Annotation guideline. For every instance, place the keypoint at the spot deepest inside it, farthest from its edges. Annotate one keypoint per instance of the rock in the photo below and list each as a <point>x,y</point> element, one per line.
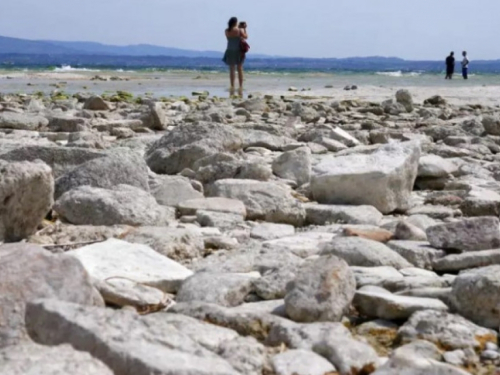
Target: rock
<point>294,165</point>
<point>304,336</point>
<point>158,117</point>
<point>349,356</point>
<point>481,202</point>
<point>263,200</point>
<point>122,133</point>
<point>270,231</point>
<point>435,166</point>
<point>473,127</point>
<point>273,282</point>
<point>322,291</point>
<point>247,321</point>
<point>342,136</point>
<point>264,139</point>
<point>378,303</point>
<point>474,234</point>
<point>254,171</point>
<point>220,166</point>
<point>421,221</point>
<point>122,204</point>
<point>405,361</point>
<point>176,243</point>
<point>364,253</point>
<point>210,336</point>
<point>448,331</point>
<point>153,344</point>
<point>139,263</point>
<point>375,275</point>
<point>126,293</point>
<point>321,214</point>
<point>435,100</point>
<point>418,253</point>
<point>475,295</point>
<point>106,173</point>
<point>30,272</point>
<point>38,359</point>
<point>221,220</point>
<point>378,234</point>
<point>220,243</point>
<point>222,289</point>
<point>60,159</point>
<point>245,354</point>
<point>455,358</point>
<point>68,124</point>
<point>303,244</point>
<point>253,105</point>
<point>490,355</point>
<point>301,362</point>
<point>26,197</point>
<point>186,144</point>
<point>96,103</point>
<point>409,232</point>
<point>86,139</point>
<point>404,97</point>
<point>459,262</point>
<point>307,114</point>
<point>172,190</point>
<point>491,125</point>
<point>350,179</point>
<point>215,204</point>
<point>21,121</point>
<point>433,211</point>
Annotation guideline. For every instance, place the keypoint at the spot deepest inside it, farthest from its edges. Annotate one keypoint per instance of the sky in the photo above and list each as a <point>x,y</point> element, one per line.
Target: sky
<point>411,29</point>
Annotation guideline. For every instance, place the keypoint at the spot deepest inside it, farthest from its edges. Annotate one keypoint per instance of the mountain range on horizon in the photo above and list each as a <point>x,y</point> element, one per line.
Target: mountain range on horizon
<point>10,45</point>
<point>24,53</point>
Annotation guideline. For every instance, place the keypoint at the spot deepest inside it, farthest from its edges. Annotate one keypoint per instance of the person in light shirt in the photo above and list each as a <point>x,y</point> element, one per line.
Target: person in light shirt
<point>465,65</point>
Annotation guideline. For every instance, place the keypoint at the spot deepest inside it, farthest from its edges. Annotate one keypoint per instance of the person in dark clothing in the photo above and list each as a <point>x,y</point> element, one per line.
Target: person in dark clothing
<point>450,66</point>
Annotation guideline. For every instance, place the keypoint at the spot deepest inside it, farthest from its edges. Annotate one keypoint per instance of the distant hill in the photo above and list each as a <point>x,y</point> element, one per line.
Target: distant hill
<point>130,50</point>
<point>52,47</point>
<point>24,46</point>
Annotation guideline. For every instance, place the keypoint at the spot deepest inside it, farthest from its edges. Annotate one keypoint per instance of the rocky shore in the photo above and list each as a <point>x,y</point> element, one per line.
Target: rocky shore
<point>260,236</point>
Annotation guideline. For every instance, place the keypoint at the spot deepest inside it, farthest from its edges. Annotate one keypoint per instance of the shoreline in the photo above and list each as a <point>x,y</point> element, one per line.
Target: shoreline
<point>182,84</point>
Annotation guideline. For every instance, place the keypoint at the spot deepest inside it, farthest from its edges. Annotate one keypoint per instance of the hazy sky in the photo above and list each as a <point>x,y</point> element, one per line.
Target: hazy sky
<point>412,29</point>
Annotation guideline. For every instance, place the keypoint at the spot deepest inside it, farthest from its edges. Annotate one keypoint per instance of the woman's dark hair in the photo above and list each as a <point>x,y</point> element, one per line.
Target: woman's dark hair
<point>233,21</point>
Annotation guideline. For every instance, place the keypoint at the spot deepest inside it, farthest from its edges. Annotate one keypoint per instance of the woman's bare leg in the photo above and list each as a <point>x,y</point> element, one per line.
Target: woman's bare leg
<point>240,78</point>
<point>232,77</point>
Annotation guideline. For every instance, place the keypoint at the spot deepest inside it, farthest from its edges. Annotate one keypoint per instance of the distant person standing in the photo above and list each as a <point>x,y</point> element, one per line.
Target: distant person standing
<point>450,66</point>
<point>234,58</point>
<point>465,65</point>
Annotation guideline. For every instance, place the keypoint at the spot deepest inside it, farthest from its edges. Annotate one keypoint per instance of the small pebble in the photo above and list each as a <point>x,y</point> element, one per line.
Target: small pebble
<point>490,354</point>
<point>491,346</point>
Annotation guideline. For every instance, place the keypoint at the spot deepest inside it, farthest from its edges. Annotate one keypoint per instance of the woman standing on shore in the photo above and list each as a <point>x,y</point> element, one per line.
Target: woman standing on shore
<point>234,57</point>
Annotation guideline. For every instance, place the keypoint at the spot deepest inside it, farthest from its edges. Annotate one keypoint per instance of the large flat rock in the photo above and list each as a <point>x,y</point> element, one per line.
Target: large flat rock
<point>263,200</point>
<point>383,179</point>
<point>378,303</point>
<point>119,259</point>
<point>121,204</point>
<point>473,234</point>
<point>126,342</point>
<point>362,252</point>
